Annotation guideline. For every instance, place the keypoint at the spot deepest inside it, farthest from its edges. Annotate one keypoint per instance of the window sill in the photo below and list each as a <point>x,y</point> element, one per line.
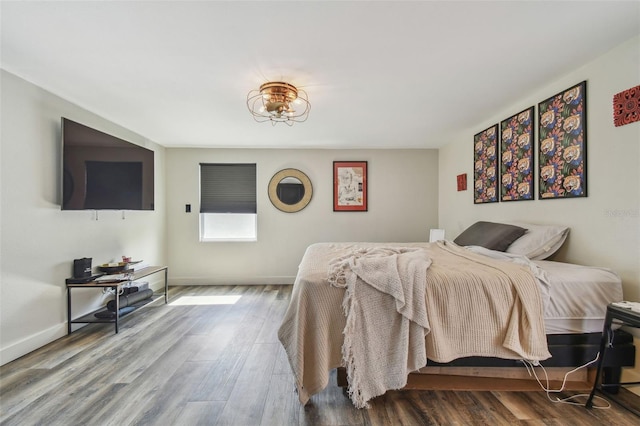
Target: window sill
<point>228,240</point>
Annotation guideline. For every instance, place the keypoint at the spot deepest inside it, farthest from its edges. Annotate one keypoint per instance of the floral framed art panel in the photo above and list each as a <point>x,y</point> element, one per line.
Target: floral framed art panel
<point>516,156</point>
<point>350,186</point>
<point>562,151</point>
<point>485,166</point>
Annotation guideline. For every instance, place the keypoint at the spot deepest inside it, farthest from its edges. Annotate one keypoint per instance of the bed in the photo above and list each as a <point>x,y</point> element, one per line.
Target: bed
<point>565,310</point>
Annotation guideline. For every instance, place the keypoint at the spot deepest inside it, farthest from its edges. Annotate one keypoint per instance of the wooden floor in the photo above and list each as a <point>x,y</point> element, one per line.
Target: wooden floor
<point>221,364</point>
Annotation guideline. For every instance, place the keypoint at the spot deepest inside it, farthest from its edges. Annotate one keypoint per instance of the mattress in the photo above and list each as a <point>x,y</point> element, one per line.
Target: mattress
<point>578,296</point>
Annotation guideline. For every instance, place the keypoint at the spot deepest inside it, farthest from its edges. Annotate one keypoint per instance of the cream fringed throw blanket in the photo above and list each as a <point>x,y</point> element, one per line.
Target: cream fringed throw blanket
<point>386,317</point>
<point>475,306</point>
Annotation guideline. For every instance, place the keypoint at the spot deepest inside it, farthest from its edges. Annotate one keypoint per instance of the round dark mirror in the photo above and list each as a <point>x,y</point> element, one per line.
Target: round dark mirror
<point>290,190</point>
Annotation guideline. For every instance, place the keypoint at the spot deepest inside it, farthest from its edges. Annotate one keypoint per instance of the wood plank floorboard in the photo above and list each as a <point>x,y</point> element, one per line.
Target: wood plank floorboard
<point>222,364</point>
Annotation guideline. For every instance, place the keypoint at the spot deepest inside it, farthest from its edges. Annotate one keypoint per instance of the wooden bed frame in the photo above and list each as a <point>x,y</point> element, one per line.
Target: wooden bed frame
<point>568,352</point>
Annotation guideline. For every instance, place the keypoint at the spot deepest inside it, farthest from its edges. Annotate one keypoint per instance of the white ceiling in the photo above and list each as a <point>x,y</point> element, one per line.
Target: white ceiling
<point>384,74</point>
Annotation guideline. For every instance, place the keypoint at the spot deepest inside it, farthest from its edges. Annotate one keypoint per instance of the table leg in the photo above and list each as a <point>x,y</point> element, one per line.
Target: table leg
<point>116,290</point>
<point>68,310</point>
<point>166,285</point>
<point>604,341</point>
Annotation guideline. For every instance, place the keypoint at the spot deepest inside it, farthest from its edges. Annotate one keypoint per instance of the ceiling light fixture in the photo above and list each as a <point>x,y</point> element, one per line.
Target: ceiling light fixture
<point>278,102</point>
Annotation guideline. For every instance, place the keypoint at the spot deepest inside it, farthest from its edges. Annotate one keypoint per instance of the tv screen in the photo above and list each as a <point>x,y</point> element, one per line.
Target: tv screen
<point>103,172</point>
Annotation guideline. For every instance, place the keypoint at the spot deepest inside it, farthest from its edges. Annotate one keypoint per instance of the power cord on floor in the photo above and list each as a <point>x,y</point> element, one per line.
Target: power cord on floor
<point>569,400</point>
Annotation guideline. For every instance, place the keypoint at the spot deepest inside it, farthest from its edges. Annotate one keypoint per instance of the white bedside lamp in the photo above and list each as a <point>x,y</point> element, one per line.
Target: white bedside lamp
<point>436,235</point>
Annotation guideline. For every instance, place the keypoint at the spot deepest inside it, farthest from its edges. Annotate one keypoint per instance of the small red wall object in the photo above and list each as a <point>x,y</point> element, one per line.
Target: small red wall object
<point>462,182</point>
<point>626,106</point>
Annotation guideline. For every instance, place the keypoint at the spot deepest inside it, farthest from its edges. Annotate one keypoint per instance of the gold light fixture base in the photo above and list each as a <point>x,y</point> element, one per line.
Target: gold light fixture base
<point>278,102</point>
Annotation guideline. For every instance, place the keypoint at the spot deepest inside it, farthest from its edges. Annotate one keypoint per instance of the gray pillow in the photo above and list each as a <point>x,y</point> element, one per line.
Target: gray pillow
<point>494,236</point>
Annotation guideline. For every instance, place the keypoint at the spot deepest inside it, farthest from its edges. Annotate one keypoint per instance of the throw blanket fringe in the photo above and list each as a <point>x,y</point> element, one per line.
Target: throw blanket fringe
<point>386,321</point>
<point>347,347</point>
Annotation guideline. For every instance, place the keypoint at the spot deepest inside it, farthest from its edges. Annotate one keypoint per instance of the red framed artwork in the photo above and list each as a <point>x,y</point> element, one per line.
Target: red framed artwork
<point>350,186</point>
<point>462,182</point>
<point>626,107</point>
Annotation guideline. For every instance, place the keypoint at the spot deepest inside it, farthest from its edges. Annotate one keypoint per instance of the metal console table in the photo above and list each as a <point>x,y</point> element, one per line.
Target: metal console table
<point>116,286</point>
<point>618,315</point>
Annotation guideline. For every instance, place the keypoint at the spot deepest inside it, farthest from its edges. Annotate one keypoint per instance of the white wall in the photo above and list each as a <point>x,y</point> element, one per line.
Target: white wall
<point>403,194</point>
<point>605,226</point>
<point>39,241</point>
<point>408,192</point>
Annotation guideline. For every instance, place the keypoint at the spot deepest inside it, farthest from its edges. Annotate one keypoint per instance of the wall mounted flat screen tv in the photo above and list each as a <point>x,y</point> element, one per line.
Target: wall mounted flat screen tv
<point>103,172</point>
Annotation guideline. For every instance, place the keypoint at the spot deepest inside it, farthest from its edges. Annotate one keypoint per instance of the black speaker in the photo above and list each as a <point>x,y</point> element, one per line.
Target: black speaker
<point>82,267</point>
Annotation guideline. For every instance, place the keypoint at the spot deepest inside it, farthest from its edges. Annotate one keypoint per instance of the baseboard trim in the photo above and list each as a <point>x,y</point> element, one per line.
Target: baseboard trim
<point>32,343</point>
<point>229,280</point>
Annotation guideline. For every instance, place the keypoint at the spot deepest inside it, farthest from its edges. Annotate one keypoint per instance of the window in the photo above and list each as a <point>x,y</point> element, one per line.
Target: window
<point>228,202</point>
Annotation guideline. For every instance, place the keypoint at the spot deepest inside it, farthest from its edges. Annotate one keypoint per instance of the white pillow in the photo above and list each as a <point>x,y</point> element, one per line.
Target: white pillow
<point>540,241</point>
